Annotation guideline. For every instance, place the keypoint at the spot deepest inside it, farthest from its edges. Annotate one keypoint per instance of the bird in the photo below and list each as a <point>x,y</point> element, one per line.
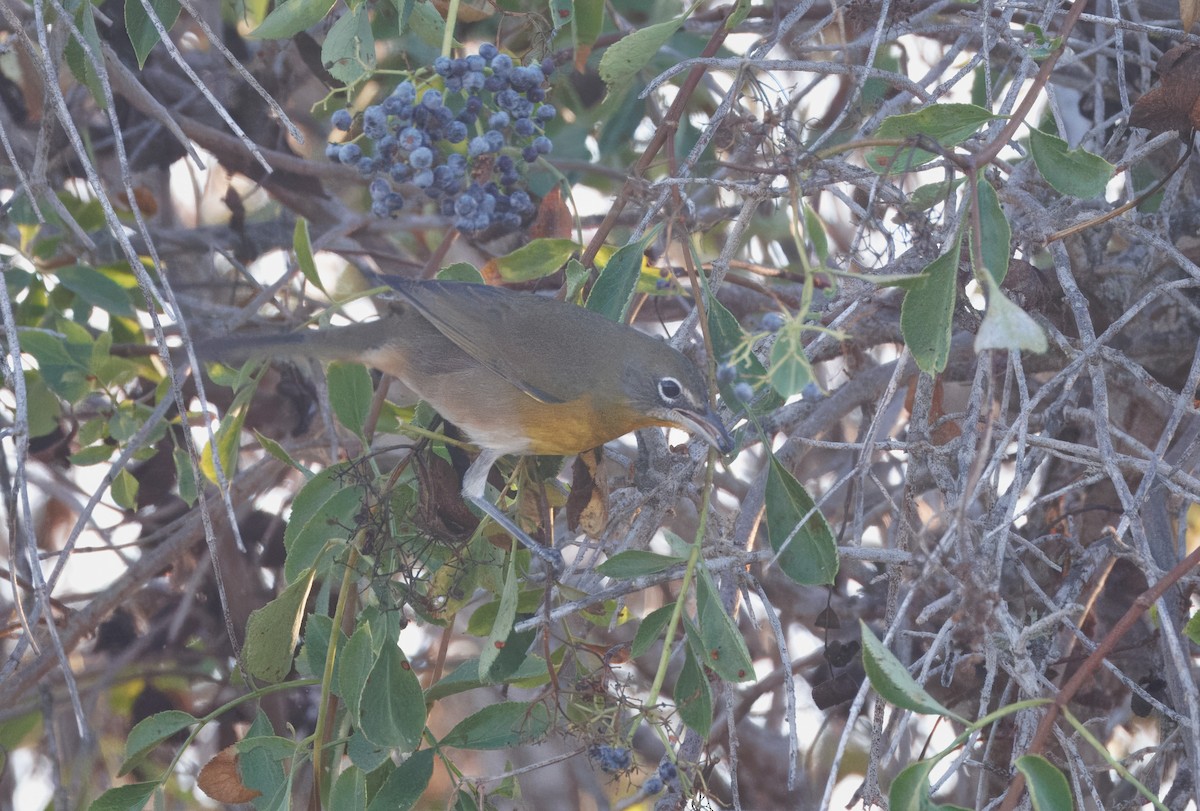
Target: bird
<point>518,373</point>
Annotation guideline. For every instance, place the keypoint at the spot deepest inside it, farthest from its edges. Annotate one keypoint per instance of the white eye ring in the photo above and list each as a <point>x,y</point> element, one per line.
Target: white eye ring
<point>669,389</point>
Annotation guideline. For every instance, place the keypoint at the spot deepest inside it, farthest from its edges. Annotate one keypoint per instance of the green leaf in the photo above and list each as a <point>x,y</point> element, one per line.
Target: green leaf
<point>142,32</point>
<point>996,241</point>
<point>132,797</point>
<point>910,790</point>
<point>354,667</point>
<point>405,785</point>
<point>790,369</point>
<point>693,695</point>
<point>1047,786</point>
<point>500,726</point>
<point>364,754</point>
<point>302,247</point>
<point>1074,172</point>
<point>814,228</point>
<point>536,260</point>
<point>273,631</point>
<point>946,124</point>
<point>393,708</point>
<point>62,365</point>
<point>77,59</point>
<point>1007,326</point>
<point>291,17</point>
<point>423,20</point>
<point>350,394</point>
<point>124,490</point>
<point>587,22</point>
<point>460,272</point>
<point>725,648</point>
<point>44,408</point>
<point>185,475</point>
<point>807,552</point>
<point>927,312</point>
<point>1192,629</point>
<point>630,54</point>
<point>636,563</point>
<point>466,677</point>
<point>728,337</point>
<point>648,631</point>
<point>613,291</point>
<point>94,287</point>
<point>228,437</point>
<point>349,792</point>
<point>150,732</point>
<point>276,450</point>
<point>506,615</point>
<point>891,680</point>
<point>929,195</point>
<point>349,48</point>
<point>324,510</point>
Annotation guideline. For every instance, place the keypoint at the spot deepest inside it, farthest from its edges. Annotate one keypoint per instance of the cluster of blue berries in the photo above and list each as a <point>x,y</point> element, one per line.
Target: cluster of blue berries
<point>464,146</point>
<point>667,775</point>
<point>612,759</point>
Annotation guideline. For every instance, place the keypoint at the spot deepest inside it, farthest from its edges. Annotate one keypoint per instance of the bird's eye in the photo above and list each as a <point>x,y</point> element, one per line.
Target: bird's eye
<point>669,388</point>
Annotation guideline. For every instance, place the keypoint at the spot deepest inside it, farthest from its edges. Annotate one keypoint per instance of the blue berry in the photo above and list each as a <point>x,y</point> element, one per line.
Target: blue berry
<point>395,106</point>
<point>478,146</point>
<point>653,785</point>
<point>476,63</point>
<point>465,205</point>
<point>474,82</point>
<point>529,154</point>
<point>442,66</point>
<point>509,221</point>
<point>411,138</point>
<point>473,106</point>
<point>342,119</point>
<point>488,51</point>
<point>495,140</point>
<point>726,373</point>
<point>494,83</point>
<point>431,99</point>
<point>421,158</point>
<point>454,84</point>
<point>522,108</point>
<point>547,112</point>
<point>542,144</point>
<point>367,166</point>
<point>395,201</point>
<point>744,392</point>
<point>423,179</point>
<point>400,171</point>
<point>406,92</point>
<point>332,150</point>
<point>520,201</point>
<point>387,147</point>
<point>505,164</point>
<point>668,771</point>
<point>536,94</point>
<point>379,208</point>
<point>502,63</point>
<point>612,758</point>
<point>459,68</point>
<point>379,188</point>
<point>498,120</point>
<point>547,67</point>
<point>456,132</point>
<point>524,127</point>
<point>506,98</point>
<point>349,153</point>
<point>457,163</point>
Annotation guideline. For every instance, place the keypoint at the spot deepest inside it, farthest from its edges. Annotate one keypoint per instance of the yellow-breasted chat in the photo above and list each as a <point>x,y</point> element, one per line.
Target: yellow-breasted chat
<point>519,373</point>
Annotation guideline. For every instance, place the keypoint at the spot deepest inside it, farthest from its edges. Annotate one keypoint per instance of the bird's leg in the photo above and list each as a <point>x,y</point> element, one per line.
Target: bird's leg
<point>474,491</point>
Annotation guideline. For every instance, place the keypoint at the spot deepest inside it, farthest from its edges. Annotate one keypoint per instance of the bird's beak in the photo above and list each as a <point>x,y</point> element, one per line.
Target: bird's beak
<point>706,424</point>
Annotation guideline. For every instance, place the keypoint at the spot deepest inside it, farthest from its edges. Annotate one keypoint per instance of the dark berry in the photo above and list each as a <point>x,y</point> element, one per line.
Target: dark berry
<point>456,132</point>
<point>400,172</point>
<point>667,771</point>
<point>406,92</point>
<point>726,373</point>
<point>478,146</point>
<point>421,157</point>
<point>495,140</point>
<point>454,84</point>
<point>744,392</point>
<point>498,120</point>
<point>524,127</point>
<point>547,112</point>
<point>474,82</point>
<point>772,322</point>
<point>411,138</point>
<point>494,84</point>
<point>502,63</point>
<point>476,63</point>
<point>442,66</point>
<point>342,119</point>
<point>653,785</point>
<point>349,153</point>
<point>542,144</point>
<point>379,188</point>
<point>547,67</point>
<point>431,99</point>
<point>423,179</point>
<point>332,150</point>
<point>367,166</point>
<point>488,51</point>
<point>529,154</point>
<point>535,94</point>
